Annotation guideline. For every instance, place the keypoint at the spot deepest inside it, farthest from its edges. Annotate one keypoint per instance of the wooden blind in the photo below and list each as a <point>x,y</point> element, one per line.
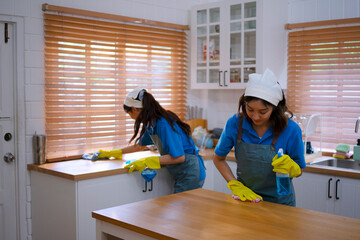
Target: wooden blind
<point>91,65</point>
<point>324,77</point>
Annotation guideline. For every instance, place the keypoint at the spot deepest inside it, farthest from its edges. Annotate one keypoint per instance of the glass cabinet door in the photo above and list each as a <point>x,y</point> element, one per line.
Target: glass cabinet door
<point>208,45</point>
<point>242,19</point>
<point>249,39</point>
<point>236,40</point>
<point>223,44</point>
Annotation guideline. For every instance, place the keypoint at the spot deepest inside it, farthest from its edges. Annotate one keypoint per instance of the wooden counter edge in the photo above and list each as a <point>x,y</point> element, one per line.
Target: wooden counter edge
<point>38,168</point>
<point>330,171</point>
<point>130,227</point>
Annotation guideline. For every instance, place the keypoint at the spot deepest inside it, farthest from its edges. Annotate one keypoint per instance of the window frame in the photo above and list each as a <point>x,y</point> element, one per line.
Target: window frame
<point>90,66</point>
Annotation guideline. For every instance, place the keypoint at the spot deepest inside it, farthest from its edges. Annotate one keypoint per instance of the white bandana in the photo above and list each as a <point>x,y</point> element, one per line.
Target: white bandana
<point>264,86</point>
<point>131,100</point>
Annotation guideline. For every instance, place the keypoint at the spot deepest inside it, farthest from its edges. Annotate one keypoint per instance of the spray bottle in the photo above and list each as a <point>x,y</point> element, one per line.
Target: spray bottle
<point>282,180</point>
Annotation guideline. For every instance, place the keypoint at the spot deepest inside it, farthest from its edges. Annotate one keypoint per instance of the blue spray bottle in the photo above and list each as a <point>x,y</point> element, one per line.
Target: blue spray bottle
<point>282,180</point>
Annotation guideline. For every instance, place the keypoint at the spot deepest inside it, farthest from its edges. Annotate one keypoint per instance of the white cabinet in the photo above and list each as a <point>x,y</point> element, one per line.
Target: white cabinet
<point>61,208</point>
<point>214,180</point>
<point>230,39</point>
<point>327,193</point>
<point>210,170</point>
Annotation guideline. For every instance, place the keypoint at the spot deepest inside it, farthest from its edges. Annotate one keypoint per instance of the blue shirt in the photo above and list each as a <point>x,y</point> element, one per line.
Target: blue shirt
<point>176,143</point>
<point>290,140</point>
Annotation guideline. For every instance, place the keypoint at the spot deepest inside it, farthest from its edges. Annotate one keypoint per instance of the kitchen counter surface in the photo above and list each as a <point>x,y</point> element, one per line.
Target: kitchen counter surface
<point>206,214</point>
<point>85,169</point>
<point>82,169</point>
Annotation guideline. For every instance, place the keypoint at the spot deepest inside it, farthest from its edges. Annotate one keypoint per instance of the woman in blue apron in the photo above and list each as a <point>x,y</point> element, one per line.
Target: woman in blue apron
<point>257,131</point>
<point>171,137</point>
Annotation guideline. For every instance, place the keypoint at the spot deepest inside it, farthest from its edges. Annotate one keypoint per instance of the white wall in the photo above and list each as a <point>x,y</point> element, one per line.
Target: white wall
<point>319,10</point>
<point>219,104</point>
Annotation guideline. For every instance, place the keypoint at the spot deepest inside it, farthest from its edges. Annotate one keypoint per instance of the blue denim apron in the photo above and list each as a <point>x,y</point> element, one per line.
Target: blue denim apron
<point>187,175</point>
<point>255,171</point>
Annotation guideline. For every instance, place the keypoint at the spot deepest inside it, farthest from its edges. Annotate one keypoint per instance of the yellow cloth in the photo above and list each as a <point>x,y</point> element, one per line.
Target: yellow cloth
<point>243,192</point>
<point>150,162</point>
<point>285,164</point>
<point>117,153</point>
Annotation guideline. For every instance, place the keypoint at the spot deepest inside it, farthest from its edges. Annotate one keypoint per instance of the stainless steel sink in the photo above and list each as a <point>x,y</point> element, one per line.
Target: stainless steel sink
<point>337,163</point>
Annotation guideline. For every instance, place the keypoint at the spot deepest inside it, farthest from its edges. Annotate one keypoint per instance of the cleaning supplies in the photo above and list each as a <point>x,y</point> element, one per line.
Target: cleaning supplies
<point>94,156</point>
<point>342,151</point>
<point>356,155</point>
<point>342,155</point>
<point>342,147</point>
<point>282,180</point>
<point>148,174</point>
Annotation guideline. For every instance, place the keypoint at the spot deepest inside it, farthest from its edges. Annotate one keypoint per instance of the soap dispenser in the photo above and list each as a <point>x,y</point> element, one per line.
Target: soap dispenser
<point>356,155</point>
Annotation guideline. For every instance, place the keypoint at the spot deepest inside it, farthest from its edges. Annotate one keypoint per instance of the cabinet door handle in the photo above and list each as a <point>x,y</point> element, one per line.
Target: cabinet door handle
<point>336,189</point>
<point>220,78</point>
<point>225,78</point>
<point>329,196</point>
<point>151,188</point>
<point>145,189</point>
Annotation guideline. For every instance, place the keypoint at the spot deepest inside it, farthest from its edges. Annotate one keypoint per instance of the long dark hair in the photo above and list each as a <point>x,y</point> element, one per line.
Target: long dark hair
<point>278,117</point>
<point>151,111</point>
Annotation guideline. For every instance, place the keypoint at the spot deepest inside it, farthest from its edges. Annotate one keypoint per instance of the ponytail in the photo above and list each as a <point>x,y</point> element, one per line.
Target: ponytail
<point>152,111</point>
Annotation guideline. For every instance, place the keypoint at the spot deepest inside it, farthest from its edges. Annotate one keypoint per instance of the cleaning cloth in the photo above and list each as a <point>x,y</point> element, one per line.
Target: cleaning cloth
<point>342,147</point>
<point>93,156</point>
<point>345,155</point>
<point>148,174</point>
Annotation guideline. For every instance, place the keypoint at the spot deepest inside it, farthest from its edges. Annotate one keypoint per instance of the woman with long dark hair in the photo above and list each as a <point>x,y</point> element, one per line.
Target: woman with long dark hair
<point>257,131</point>
<point>172,137</point>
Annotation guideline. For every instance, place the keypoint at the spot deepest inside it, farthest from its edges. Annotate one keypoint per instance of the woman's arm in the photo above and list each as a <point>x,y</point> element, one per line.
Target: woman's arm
<point>223,168</point>
<point>164,160</point>
<point>133,148</point>
<point>168,159</point>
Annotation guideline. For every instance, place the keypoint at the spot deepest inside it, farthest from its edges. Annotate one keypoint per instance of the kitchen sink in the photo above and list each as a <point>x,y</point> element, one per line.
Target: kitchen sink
<point>337,163</point>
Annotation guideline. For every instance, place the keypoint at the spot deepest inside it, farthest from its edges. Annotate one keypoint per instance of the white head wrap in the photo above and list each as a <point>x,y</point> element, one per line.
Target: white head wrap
<point>264,86</point>
<point>131,100</point>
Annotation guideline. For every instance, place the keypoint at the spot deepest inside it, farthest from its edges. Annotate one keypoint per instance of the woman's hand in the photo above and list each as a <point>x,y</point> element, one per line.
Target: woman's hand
<point>117,153</point>
<point>140,164</point>
<point>242,192</point>
<point>285,164</point>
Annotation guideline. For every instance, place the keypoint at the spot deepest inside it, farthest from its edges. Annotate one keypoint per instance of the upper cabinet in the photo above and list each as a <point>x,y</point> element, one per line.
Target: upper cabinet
<point>227,42</point>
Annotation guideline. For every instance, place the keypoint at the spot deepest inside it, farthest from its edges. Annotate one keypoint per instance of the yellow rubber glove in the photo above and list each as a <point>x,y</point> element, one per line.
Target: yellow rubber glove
<point>150,162</point>
<point>243,192</point>
<point>285,164</point>
<point>117,153</point>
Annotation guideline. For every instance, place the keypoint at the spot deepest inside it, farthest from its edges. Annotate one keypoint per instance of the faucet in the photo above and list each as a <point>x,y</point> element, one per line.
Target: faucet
<point>357,125</point>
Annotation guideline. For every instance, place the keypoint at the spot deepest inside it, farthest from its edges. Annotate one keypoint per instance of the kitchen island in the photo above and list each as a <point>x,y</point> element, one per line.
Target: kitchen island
<point>206,214</point>
<point>63,194</point>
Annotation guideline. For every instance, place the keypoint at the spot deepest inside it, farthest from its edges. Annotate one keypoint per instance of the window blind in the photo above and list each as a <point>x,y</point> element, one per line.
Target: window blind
<point>90,66</point>
<point>324,77</point>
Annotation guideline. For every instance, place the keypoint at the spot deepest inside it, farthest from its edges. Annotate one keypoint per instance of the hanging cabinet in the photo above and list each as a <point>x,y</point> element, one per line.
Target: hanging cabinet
<point>234,38</point>
<point>223,42</point>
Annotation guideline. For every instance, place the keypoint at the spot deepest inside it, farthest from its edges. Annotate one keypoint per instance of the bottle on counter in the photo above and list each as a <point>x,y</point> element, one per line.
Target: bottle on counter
<point>282,180</point>
<point>356,155</point>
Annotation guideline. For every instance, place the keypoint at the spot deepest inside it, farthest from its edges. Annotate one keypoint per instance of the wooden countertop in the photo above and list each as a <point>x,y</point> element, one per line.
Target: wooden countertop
<point>205,214</point>
<point>81,169</point>
<point>341,172</point>
<point>85,169</point>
